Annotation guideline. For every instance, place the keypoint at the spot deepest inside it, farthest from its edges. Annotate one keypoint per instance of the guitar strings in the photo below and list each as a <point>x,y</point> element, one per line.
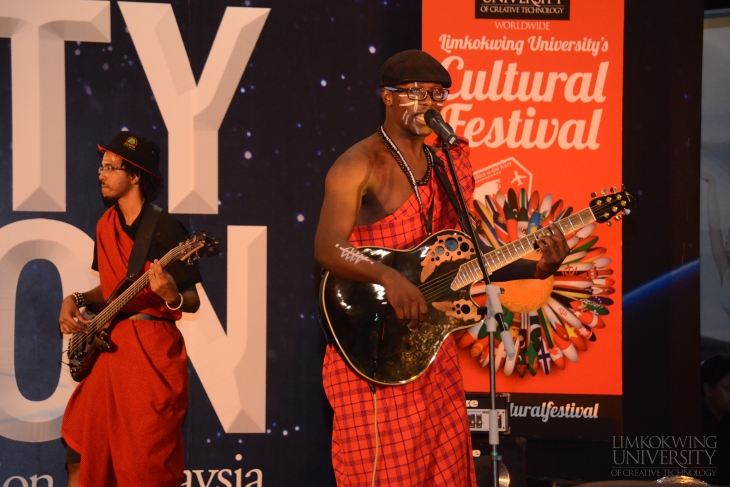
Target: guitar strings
<point>101,319</point>
<point>435,288</point>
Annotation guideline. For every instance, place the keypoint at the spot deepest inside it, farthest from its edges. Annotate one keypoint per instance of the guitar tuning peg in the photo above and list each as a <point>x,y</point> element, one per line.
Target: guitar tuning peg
<point>604,192</point>
<point>594,194</point>
<point>614,189</point>
<point>609,223</point>
<point>627,211</point>
<point>618,217</point>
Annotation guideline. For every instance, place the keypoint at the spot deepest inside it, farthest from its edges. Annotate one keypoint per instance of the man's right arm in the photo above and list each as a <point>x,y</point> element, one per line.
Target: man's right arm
<point>69,310</point>
<point>347,181</point>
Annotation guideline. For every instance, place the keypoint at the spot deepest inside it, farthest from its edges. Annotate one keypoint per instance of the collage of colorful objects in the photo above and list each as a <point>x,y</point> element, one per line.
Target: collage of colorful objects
<point>550,320</point>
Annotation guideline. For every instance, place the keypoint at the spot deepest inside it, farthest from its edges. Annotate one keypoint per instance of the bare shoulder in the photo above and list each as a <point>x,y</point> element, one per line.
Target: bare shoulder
<point>356,163</point>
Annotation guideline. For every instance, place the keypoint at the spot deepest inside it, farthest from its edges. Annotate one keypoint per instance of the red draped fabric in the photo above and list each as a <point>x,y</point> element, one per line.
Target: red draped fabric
<point>423,432</point>
<point>125,418</point>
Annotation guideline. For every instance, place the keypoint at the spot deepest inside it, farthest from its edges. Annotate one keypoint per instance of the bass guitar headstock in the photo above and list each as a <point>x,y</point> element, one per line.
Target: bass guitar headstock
<point>190,248</point>
<point>606,205</point>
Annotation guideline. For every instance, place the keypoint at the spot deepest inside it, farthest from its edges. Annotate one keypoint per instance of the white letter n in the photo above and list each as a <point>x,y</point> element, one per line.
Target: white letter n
<point>193,114</point>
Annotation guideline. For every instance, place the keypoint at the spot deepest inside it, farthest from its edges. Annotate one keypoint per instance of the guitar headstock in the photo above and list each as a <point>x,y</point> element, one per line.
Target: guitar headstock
<point>606,205</point>
<point>190,248</point>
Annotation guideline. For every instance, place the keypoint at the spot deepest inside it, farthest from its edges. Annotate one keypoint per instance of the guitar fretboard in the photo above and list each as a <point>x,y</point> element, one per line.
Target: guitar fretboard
<point>470,272</point>
<point>126,296</point>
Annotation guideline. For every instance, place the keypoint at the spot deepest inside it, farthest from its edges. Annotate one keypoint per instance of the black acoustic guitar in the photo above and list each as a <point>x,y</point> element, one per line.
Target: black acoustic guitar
<point>84,347</point>
<point>366,330</point>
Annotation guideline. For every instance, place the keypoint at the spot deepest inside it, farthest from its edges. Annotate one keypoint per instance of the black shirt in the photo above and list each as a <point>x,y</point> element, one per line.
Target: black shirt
<point>168,234</point>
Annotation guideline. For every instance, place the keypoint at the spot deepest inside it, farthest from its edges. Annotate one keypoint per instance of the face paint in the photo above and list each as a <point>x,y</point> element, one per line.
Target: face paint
<point>352,255</point>
<point>414,109</point>
<point>414,126</point>
<point>407,114</point>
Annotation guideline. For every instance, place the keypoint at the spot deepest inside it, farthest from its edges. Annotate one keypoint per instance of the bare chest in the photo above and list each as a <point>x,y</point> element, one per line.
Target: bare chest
<point>390,190</point>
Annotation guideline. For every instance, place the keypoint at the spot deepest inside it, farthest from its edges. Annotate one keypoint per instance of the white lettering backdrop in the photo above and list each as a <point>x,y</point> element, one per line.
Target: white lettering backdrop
<point>250,101</point>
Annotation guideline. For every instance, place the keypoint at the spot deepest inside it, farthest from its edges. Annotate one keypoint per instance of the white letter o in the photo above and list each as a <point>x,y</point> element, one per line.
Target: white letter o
<point>71,251</point>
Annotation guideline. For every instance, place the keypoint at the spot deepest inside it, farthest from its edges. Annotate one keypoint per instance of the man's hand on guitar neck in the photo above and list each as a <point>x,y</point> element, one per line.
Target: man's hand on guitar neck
<point>70,319</point>
<point>406,299</point>
<point>163,284</point>
<point>554,250</point>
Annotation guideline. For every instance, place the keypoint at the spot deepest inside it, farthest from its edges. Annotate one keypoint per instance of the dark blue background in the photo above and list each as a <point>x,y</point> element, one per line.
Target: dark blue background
<point>297,128</point>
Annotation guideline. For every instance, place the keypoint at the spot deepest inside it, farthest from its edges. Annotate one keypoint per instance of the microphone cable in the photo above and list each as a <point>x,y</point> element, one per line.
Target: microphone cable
<point>375,426</point>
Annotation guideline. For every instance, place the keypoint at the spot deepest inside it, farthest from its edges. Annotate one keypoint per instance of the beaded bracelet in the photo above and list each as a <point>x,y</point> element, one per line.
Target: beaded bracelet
<point>176,307</point>
<point>78,299</point>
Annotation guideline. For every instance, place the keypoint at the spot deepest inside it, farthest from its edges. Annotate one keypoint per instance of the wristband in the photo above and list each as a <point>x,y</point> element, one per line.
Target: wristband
<point>176,307</point>
<point>78,299</point>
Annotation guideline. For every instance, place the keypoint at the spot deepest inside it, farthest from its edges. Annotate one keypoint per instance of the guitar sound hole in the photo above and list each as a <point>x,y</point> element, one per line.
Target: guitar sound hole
<point>464,247</point>
<point>465,309</point>
<point>451,244</point>
<point>440,251</point>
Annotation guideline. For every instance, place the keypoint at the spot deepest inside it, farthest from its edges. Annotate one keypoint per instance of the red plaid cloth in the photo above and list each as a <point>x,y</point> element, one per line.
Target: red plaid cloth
<point>423,431</point>
<point>404,228</point>
<point>125,418</point>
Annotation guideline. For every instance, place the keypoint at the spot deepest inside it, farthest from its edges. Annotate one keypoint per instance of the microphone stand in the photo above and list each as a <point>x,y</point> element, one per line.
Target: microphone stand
<point>492,314</point>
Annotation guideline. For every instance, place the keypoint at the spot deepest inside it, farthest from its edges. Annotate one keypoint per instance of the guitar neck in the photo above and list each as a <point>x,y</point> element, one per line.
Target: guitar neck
<point>125,297</point>
<point>471,272</point>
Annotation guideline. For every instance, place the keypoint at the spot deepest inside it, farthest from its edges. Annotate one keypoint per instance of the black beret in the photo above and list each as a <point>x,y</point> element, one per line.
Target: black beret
<point>137,150</point>
<point>413,65</point>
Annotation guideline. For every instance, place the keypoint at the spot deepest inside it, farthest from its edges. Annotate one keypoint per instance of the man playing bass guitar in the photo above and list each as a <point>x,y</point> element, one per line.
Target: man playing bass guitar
<point>123,423</point>
<point>382,192</point>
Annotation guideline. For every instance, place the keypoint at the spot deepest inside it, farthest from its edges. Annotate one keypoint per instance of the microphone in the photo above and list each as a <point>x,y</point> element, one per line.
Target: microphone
<point>442,129</point>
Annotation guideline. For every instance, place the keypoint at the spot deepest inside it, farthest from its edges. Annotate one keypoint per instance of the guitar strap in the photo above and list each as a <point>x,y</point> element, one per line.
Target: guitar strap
<point>142,242</point>
<point>440,170</point>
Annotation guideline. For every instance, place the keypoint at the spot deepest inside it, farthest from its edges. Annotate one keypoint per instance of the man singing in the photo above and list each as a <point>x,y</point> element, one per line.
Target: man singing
<point>122,425</point>
<point>383,192</point>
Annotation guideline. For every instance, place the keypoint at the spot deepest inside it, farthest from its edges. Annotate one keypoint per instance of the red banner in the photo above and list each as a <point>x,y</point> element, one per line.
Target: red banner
<point>540,101</point>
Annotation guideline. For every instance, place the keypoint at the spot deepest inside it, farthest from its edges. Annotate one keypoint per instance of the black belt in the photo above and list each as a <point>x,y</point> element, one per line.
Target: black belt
<point>141,316</point>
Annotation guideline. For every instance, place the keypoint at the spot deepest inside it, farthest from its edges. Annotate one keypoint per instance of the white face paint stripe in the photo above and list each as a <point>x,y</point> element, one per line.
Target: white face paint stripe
<point>351,254</point>
<point>406,103</point>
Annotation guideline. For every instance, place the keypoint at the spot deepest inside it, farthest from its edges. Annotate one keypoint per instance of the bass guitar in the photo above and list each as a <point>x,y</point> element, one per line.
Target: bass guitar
<point>84,347</point>
<point>382,350</point>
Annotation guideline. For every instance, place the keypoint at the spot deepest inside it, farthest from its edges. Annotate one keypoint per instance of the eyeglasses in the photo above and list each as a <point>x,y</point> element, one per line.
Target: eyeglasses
<point>420,94</point>
<point>108,169</point>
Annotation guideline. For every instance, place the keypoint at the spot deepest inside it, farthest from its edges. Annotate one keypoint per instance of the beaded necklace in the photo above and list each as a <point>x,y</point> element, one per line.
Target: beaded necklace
<point>393,149</point>
<point>415,183</point>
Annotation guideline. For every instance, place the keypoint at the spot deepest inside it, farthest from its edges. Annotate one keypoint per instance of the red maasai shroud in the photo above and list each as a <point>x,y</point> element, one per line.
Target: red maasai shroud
<point>125,418</point>
<point>422,426</point>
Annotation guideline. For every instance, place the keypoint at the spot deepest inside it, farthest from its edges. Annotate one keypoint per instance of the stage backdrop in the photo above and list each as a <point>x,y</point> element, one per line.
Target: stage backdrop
<point>251,102</point>
<point>714,201</point>
<point>538,93</point>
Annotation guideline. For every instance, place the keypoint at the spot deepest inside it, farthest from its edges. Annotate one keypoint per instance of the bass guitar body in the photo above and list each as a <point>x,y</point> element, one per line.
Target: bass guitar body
<point>89,346</point>
<point>366,330</point>
<point>82,360</point>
